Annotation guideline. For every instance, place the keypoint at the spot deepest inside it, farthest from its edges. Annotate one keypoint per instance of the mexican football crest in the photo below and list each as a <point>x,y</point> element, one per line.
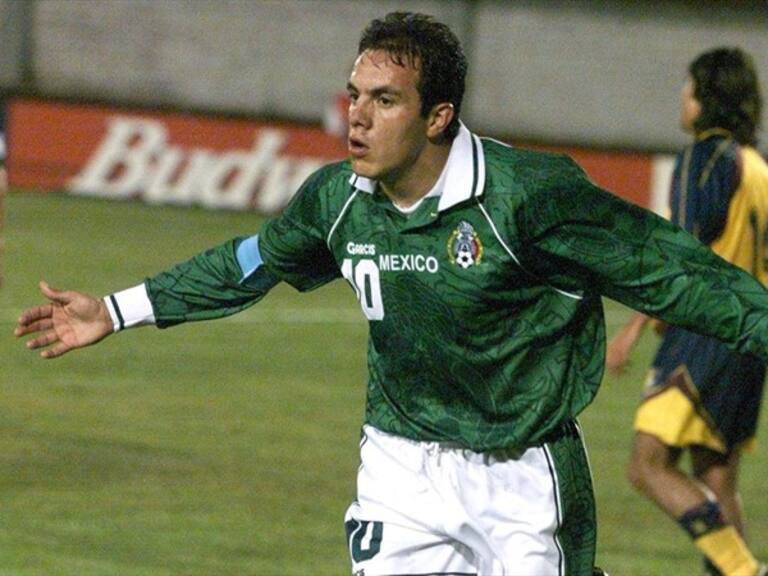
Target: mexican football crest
<point>464,246</point>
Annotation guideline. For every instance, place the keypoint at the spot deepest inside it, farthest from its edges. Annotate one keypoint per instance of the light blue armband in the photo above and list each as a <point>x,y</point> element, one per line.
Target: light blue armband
<point>249,256</point>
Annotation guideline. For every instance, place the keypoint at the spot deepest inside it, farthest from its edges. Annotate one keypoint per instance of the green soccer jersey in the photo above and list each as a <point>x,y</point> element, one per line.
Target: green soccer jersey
<point>484,303</point>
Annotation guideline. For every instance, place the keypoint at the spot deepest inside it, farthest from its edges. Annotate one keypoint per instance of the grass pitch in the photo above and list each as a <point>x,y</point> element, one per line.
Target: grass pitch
<point>227,447</point>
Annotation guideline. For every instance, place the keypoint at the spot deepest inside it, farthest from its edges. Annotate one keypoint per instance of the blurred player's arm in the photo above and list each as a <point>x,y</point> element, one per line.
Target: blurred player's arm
<point>623,342</point>
<point>620,346</point>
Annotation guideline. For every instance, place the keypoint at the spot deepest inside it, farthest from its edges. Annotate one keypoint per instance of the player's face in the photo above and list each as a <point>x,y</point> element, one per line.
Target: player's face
<point>387,133</point>
<point>690,107</point>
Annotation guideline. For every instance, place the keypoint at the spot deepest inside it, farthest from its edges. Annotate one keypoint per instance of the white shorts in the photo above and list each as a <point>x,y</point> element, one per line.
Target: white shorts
<point>427,508</point>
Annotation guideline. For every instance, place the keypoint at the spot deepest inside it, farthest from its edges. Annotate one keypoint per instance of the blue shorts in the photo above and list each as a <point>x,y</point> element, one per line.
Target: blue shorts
<point>725,387</point>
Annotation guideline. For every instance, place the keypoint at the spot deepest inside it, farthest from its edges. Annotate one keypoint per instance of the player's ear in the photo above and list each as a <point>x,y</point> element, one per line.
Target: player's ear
<point>439,118</point>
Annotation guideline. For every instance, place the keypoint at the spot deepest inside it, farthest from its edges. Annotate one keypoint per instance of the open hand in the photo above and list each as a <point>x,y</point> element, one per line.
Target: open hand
<point>69,321</point>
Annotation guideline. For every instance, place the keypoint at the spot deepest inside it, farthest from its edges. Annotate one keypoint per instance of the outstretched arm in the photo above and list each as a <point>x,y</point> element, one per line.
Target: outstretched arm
<point>218,282</point>
<point>579,237</point>
<point>69,321</point>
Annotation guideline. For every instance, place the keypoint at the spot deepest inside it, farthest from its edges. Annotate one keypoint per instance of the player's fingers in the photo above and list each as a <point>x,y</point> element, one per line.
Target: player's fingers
<point>32,315</point>
<point>60,296</point>
<point>55,351</point>
<point>43,340</point>
<point>36,326</point>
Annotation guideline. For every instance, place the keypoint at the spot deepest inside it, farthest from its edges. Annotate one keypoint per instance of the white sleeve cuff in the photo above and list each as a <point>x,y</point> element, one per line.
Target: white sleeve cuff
<point>130,307</point>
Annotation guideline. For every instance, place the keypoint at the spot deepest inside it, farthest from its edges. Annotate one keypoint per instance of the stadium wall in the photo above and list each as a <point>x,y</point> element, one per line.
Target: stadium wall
<point>12,39</point>
<point>215,162</point>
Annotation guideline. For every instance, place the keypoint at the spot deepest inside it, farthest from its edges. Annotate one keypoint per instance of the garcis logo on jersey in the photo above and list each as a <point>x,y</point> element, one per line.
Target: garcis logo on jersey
<point>464,246</point>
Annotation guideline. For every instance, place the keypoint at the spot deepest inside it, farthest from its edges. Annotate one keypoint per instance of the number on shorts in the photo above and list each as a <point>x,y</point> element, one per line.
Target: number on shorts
<point>364,538</point>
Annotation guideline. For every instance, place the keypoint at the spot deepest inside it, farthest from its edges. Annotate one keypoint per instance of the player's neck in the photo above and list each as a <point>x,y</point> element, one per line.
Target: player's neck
<point>411,185</point>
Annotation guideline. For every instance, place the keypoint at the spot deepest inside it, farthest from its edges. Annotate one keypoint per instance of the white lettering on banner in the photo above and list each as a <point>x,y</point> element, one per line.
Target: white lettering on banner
<point>135,160</point>
<point>408,263</point>
<point>118,168</point>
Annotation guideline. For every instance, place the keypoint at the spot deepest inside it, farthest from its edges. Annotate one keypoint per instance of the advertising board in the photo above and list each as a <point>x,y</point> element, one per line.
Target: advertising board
<point>187,159</point>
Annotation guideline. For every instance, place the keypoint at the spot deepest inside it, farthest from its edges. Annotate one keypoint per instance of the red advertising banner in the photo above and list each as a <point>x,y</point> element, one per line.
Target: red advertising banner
<point>175,158</point>
<point>162,158</point>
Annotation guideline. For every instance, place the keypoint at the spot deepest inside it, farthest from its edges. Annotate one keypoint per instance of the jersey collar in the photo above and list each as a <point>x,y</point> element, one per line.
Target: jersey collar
<point>714,132</point>
<point>463,176</point>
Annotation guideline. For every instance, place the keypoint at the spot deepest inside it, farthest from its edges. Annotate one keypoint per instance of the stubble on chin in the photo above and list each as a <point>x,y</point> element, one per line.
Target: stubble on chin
<point>363,169</point>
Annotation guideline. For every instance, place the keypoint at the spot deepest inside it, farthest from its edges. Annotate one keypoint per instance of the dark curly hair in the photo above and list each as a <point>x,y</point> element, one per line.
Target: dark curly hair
<point>726,86</point>
<point>420,41</point>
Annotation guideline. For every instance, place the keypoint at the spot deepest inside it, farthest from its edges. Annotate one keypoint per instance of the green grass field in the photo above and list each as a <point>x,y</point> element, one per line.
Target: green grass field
<point>229,447</point>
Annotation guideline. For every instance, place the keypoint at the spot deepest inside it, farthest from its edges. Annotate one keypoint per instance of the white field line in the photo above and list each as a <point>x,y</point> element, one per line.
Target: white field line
<point>278,316</point>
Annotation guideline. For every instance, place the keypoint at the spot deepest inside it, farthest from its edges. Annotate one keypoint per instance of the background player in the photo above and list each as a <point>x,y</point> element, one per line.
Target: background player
<point>702,396</point>
<point>480,269</point>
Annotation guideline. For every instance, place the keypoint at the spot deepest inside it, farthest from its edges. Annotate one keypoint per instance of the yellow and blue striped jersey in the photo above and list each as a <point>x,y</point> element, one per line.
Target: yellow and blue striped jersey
<point>720,195</point>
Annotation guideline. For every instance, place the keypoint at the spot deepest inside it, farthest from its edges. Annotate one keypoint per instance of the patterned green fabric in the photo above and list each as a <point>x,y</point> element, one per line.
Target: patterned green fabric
<point>577,532</point>
<point>486,320</point>
<point>208,286</point>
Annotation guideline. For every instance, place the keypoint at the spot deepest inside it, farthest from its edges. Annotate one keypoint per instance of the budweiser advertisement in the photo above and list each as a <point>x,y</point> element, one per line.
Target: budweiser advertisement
<point>163,158</point>
<point>174,158</point>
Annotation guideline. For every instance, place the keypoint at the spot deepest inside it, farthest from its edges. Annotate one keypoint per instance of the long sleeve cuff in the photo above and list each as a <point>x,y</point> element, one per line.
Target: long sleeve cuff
<point>130,307</point>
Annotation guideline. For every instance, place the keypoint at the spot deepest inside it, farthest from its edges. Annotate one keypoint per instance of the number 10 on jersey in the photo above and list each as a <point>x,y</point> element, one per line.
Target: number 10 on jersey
<point>364,277</point>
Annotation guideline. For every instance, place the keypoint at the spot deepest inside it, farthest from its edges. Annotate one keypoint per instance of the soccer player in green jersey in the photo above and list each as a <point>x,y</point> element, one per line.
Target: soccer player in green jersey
<point>703,397</point>
<point>480,268</point>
